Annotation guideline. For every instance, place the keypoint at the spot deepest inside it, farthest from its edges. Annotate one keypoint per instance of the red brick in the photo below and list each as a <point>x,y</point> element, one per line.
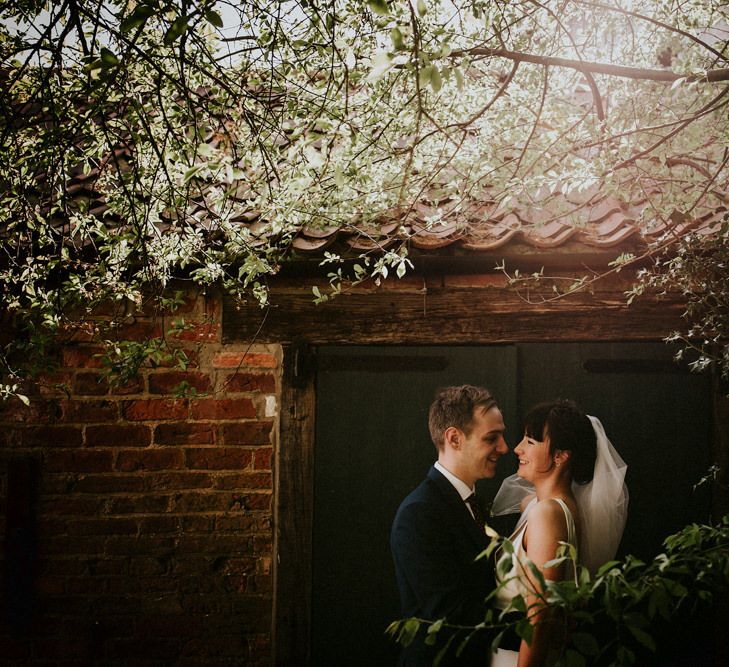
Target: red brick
<point>155,409</point>
<point>90,384</point>
<point>159,524</point>
<point>149,459</point>
<point>87,412</point>
<point>134,385</point>
<point>255,480</point>
<point>145,504</point>
<point>247,433</point>
<point>106,526</point>
<point>109,484</point>
<point>207,331</point>
<point>255,501</point>
<point>225,408</point>
<point>168,382</point>
<point>78,460</point>
<point>181,480</point>
<point>242,359</point>
<point>118,435</point>
<point>263,382</point>
<point>197,524</point>
<point>184,434</point>
<point>217,458</point>
<point>139,330</point>
<point>137,545</point>
<point>55,384</point>
<point>54,436</point>
<point>70,506</point>
<point>262,458</point>
<point>239,523</point>
<point>203,502</point>
<point>83,356</point>
<point>39,411</point>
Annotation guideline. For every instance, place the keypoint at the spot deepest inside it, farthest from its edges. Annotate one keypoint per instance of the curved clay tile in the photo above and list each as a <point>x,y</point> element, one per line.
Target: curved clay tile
<point>364,243</point>
<point>490,237</point>
<point>603,209</point>
<point>311,245</point>
<point>422,242</point>
<point>551,235</point>
<point>615,229</point>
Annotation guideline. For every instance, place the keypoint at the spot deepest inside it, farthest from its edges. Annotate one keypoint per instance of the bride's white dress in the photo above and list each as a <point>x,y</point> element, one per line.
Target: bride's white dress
<point>514,579</point>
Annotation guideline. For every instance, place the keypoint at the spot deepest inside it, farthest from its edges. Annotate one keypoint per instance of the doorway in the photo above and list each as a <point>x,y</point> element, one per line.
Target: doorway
<point>372,448</point>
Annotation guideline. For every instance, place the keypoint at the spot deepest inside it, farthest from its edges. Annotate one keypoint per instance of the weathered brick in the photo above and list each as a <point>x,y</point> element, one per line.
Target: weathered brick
<point>134,385</point>
<point>78,460</point>
<point>137,545</point>
<point>241,359</point>
<point>262,458</point>
<point>83,506</point>
<point>247,433</point>
<point>180,480</point>
<point>87,412</point>
<point>203,502</point>
<point>104,526</point>
<point>82,356</point>
<point>184,434</point>
<point>53,436</point>
<point>90,384</point>
<point>109,484</point>
<point>240,382</point>
<point>239,523</point>
<point>240,481</point>
<point>159,524</point>
<point>39,411</point>
<point>149,459</point>
<point>217,458</point>
<point>205,331</point>
<point>139,329</point>
<point>225,408</point>
<point>197,523</point>
<point>155,409</point>
<point>144,504</point>
<point>118,435</point>
<point>167,382</point>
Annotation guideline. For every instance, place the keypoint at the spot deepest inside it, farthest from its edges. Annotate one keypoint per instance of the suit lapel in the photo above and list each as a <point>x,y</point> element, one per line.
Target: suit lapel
<point>457,507</point>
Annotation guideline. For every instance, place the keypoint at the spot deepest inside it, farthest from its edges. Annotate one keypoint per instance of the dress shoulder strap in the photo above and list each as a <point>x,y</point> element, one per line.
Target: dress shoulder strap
<point>571,530</point>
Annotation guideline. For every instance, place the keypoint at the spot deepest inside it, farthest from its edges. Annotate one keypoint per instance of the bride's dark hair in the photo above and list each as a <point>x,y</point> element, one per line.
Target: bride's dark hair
<point>568,429</point>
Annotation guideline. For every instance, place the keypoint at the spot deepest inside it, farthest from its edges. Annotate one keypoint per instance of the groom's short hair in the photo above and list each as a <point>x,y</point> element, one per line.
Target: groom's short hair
<point>456,406</point>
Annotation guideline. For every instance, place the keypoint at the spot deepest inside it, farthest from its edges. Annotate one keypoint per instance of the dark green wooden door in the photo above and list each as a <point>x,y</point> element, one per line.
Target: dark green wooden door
<point>372,447</point>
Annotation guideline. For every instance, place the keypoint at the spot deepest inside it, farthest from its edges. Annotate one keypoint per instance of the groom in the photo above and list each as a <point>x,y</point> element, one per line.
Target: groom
<point>436,534</point>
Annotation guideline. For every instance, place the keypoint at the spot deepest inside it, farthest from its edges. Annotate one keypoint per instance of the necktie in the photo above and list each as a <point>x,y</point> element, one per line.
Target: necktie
<point>476,508</point>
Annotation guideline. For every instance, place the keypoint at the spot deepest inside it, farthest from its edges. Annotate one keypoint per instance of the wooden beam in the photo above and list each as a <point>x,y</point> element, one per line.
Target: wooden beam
<point>450,315</point>
<point>294,511</point>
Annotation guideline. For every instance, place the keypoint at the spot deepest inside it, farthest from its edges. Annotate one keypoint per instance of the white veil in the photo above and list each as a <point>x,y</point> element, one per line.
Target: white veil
<point>603,503</point>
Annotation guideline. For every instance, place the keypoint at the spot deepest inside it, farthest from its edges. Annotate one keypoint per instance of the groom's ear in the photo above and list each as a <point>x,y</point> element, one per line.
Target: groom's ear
<point>452,437</point>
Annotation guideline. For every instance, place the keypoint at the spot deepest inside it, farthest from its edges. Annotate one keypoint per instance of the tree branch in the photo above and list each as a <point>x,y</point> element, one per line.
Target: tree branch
<point>585,66</point>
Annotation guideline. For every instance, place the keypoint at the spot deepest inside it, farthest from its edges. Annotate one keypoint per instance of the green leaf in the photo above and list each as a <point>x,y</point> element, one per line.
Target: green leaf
<point>643,637</point>
<point>585,643</point>
<point>137,18</point>
<point>108,58</point>
<point>397,39</point>
<point>178,28</point>
<point>213,18</point>
<point>23,399</point>
<point>379,7</point>
<point>436,82</point>
<point>409,631</point>
<point>422,7</point>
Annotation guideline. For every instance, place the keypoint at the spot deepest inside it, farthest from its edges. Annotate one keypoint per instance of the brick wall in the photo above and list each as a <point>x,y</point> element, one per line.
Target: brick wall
<point>136,522</point>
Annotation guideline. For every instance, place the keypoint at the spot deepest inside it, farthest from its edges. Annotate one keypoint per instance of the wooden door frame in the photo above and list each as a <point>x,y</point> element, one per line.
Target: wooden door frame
<point>453,317</point>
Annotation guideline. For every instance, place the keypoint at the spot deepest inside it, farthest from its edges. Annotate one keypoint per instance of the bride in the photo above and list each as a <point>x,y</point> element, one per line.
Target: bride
<point>570,489</point>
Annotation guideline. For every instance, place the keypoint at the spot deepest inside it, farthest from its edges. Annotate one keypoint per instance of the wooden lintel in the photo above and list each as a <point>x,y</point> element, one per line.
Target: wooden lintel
<point>449,315</point>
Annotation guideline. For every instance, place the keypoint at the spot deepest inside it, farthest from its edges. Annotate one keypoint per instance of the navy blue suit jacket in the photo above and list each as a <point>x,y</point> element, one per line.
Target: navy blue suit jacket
<point>434,543</point>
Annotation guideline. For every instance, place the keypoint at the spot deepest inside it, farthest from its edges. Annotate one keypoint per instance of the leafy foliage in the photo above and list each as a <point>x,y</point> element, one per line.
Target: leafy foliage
<point>137,135</point>
<point>631,612</point>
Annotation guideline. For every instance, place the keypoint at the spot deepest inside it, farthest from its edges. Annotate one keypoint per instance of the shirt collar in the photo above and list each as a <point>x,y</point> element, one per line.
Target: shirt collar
<point>458,484</point>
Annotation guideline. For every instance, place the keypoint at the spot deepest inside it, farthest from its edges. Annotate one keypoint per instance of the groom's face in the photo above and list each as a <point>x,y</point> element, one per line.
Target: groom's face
<point>484,445</point>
